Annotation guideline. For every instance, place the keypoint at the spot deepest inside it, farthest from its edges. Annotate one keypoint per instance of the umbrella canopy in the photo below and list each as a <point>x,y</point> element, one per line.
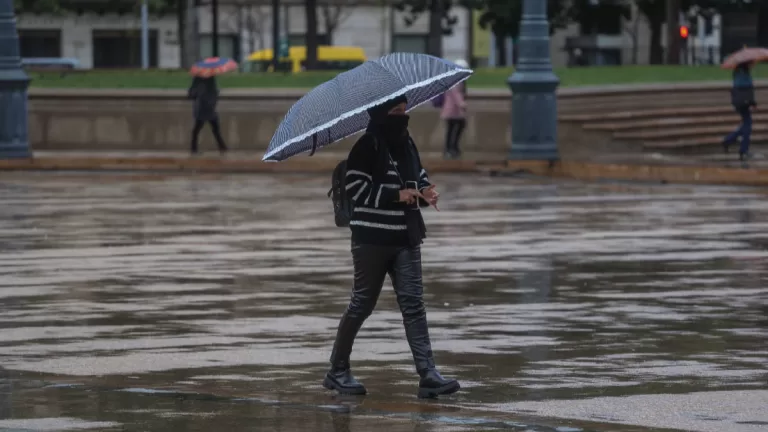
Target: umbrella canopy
<point>213,66</point>
<point>745,55</point>
<point>337,108</point>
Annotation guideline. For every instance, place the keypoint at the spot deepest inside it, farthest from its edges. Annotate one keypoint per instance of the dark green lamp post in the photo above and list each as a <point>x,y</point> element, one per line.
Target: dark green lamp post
<point>14,142</point>
<point>534,86</point>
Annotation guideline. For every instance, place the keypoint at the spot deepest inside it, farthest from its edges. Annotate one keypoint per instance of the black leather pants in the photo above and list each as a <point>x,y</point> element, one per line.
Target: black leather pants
<point>372,263</point>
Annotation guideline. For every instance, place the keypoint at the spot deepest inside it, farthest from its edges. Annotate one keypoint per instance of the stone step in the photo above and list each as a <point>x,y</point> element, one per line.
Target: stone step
<point>652,102</point>
<point>646,114</point>
<point>685,132</point>
<point>706,141</point>
<point>672,122</point>
<point>597,104</point>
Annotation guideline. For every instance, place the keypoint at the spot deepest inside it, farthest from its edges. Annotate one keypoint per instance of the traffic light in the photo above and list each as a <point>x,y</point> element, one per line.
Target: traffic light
<point>684,32</point>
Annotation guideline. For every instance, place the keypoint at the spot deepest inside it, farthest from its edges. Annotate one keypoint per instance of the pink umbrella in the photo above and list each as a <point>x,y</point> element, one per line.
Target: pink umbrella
<point>745,55</point>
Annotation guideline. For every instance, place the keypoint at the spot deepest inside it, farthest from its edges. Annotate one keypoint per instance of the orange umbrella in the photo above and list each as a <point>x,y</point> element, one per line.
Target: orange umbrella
<point>213,66</point>
<point>745,55</point>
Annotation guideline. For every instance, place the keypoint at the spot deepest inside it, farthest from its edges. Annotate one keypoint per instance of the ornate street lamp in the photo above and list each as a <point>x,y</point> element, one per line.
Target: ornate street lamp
<point>13,89</point>
<point>534,102</point>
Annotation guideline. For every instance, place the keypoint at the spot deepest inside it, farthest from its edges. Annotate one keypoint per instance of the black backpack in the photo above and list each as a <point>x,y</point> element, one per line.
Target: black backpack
<point>342,206</point>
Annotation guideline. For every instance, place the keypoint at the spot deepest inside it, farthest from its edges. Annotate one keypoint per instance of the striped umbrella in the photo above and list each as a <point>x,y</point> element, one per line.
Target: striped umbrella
<point>213,66</point>
<point>745,55</point>
<point>338,108</point>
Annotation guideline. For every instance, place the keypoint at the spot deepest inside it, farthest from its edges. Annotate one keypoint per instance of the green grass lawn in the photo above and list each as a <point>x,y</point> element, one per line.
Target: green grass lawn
<point>483,78</point>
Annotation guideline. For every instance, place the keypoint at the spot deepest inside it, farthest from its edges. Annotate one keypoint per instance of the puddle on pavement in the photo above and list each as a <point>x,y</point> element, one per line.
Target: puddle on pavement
<point>536,293</point>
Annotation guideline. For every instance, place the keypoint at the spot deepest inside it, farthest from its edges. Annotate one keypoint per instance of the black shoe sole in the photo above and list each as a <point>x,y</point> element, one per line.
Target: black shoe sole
<point>432,393</point>
<point>354,391</point>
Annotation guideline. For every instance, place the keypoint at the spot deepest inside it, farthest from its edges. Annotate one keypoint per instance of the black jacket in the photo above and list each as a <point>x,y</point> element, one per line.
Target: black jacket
<point>378,217</point>
<point>206,95</point>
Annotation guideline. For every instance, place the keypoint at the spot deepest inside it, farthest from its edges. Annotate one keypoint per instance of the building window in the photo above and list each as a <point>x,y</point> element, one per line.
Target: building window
<point>413,43</point>
<point>300,39</point>
<point>229,46</point>
<point>122,48</point>
<point>40,43</point>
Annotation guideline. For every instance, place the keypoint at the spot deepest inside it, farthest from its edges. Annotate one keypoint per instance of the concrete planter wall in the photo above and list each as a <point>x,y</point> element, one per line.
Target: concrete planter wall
<point>161,120</point>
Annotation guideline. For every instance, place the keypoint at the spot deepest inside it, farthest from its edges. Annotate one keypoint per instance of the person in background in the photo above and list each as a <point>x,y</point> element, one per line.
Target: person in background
<point>454,113</point>
<point>205,94</point>
<point>387,186</point>
<point>743,101</point>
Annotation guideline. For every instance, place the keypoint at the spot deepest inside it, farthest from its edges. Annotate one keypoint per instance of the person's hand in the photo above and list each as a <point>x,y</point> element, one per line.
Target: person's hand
<point>431,196</point>
<point>410,196</point>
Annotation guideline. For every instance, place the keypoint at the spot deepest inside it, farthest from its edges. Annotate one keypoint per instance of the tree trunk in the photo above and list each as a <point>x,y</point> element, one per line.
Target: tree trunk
<point>501,49</point>
<point>181,19</point>
<point>657,51</point>
<point>310,37</point>
<point>635,33</point>
<point>635,49</point>
<point>251,30</point>
<point>673,39</point>
<point>435,38</point>
<point>191,35</point>
<point>331,18</point>
<point>330,29</point>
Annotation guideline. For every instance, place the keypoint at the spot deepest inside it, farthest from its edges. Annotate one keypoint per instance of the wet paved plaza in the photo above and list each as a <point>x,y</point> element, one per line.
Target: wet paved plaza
<point>209,303</point>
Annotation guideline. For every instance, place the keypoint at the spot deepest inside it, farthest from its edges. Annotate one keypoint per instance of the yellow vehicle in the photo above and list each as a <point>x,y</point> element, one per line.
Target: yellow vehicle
<point>329,57</point>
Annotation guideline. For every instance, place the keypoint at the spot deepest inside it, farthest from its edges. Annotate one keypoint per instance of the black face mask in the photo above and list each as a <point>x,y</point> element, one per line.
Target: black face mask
<point>396,124</point>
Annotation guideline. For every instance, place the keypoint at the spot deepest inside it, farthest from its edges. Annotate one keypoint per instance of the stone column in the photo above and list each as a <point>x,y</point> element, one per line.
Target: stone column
<point>14,142</point>
<point>534,101</point>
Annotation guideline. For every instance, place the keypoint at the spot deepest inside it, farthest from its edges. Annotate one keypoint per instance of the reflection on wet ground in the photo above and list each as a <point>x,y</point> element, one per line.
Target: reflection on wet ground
<point>210,303</point>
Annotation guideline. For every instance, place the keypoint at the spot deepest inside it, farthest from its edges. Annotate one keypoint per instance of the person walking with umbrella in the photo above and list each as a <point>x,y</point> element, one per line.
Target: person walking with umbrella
<point>743,101</point>
<point>387,186</point>
<point>743,95</point>
<point>378,192</point>
<point>205,94</point>
<point>454,113</point>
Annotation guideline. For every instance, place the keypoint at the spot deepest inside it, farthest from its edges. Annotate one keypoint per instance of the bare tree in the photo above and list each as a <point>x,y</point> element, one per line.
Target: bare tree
<point>334,14</point>
<point>249,20</point>
<point>256,25</point>
<point>252,24</point>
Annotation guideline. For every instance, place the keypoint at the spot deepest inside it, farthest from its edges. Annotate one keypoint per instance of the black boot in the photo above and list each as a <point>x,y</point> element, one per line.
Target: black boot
<point>340,376</point>
<point>432,384</point>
